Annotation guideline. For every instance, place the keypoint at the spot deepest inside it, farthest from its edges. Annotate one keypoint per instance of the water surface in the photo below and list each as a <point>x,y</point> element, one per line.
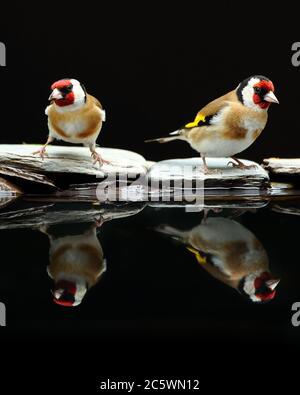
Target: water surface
<point>144,272</point>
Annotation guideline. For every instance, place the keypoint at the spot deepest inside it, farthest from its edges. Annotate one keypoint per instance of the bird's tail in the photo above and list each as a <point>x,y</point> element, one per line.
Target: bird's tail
<point>176,234</point>
<point>173,136</point>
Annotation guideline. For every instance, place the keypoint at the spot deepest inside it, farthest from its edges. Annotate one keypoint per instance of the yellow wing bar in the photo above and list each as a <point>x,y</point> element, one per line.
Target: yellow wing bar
<point>199,118</point>
<point>200,258</point>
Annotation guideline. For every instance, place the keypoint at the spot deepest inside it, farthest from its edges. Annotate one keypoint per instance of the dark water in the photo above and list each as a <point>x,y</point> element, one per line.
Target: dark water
<point>158,304</point>
<point>145,282</point>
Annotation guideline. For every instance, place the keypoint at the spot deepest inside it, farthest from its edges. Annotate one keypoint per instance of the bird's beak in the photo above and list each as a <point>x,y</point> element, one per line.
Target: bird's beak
<point>272,284</point>
<point>271,98</point>
<point>57,294</point>
<point>55,95</point>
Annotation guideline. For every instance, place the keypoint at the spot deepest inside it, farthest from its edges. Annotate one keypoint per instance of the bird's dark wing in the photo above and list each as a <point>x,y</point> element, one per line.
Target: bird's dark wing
<point>204,258</point>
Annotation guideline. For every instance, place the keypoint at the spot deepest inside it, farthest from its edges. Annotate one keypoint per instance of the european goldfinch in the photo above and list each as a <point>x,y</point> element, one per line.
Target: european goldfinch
<point>74,116</point>
<point>231,123</point>
<point>231,254</point>
<point>76,263</point>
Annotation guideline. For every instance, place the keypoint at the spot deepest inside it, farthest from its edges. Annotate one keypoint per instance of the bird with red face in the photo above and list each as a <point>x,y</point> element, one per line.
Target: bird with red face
<point>74,116</point>
<point>231,254</point>
<point>229,124</point>
<point>76,261</point>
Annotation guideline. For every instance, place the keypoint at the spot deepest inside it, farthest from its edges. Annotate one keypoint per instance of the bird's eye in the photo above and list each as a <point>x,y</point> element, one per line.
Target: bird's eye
<point>66,89</point>
<point>257,89</point>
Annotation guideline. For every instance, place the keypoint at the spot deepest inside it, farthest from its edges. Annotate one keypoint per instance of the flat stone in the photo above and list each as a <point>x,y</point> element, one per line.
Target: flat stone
<point>72,159</point>
<point>223,176</point>
<point>286,209</point>
<point>282,166</point>
<point>69,172</point>
<point>64,165</point>
<point>35,215</point>
<point>8,188</point>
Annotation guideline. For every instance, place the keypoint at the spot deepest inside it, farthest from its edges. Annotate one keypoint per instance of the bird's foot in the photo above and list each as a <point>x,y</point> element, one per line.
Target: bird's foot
<point>240,165</point>
<point>215,210</point>
<point>41,152</point>
<point>208,171</point>
<point>43,228</point>
<point>99,221</point>
<point>98,159</point>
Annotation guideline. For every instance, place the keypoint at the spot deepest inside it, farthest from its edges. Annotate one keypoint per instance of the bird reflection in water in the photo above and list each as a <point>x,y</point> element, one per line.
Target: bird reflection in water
<point>231,254</point>
<point>76,261</point>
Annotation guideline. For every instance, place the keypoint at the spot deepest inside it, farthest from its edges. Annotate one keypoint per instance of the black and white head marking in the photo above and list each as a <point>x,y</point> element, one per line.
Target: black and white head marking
<point>245,91</point>
<point>246,287</point>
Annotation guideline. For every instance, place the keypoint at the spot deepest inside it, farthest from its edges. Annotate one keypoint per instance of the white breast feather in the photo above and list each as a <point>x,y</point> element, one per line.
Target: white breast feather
<point>72,128</point>
<point>103,114</point>
<point>252,124</point>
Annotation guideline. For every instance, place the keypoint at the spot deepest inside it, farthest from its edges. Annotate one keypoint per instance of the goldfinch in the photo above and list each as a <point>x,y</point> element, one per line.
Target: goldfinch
<point>229,124</point>
<point>74,116</point>
<point>76,263</point>
<point>231,254</point>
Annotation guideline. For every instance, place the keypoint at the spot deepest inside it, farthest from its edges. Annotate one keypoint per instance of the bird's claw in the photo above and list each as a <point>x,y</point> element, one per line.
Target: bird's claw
<point>241,166</point>
<point>217,210</point>
<point>99,221</point>
<point>98,159</point>
<point>43,228</point>
<point>232,164</point>
<point>208,171</point>
<point>41,152</point>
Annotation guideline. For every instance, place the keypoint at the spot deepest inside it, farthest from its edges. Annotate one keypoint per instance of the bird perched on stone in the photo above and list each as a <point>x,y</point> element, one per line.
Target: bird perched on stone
<point>231,254</point>
<point>229,124</point>
<point>74,116</point>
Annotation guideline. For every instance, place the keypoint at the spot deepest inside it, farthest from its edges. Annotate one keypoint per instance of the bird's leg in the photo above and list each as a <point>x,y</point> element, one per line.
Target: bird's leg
<point>44,229</point>
<point>206,170</point>
<point>99,221</point>
<point>96,156</point>
<point>205,215</point>
<point>239,164</point>
<point>42,151</point>
<point>216,210</point>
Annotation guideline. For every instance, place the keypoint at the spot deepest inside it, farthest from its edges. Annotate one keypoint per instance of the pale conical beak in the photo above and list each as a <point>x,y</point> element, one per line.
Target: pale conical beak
<point>55,95</point>
<point>271,98</point>
<point>57,294</point>
<point>272,284</point>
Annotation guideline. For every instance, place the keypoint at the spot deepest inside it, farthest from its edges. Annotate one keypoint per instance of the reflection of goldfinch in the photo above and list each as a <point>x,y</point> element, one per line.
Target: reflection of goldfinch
<point>76,264</point>
<point>74,116</point>
<point>231,254</point>
<point>231,123</point>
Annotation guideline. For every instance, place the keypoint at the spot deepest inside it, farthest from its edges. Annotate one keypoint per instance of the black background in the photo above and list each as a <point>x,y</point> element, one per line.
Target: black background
<point>152,65</point>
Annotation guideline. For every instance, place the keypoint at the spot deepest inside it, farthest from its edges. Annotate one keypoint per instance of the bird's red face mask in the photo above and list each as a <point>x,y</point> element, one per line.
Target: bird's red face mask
<point>64,293</point>
<point>265,287</point>
<point>263,94</point>
<point>62,93</point>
